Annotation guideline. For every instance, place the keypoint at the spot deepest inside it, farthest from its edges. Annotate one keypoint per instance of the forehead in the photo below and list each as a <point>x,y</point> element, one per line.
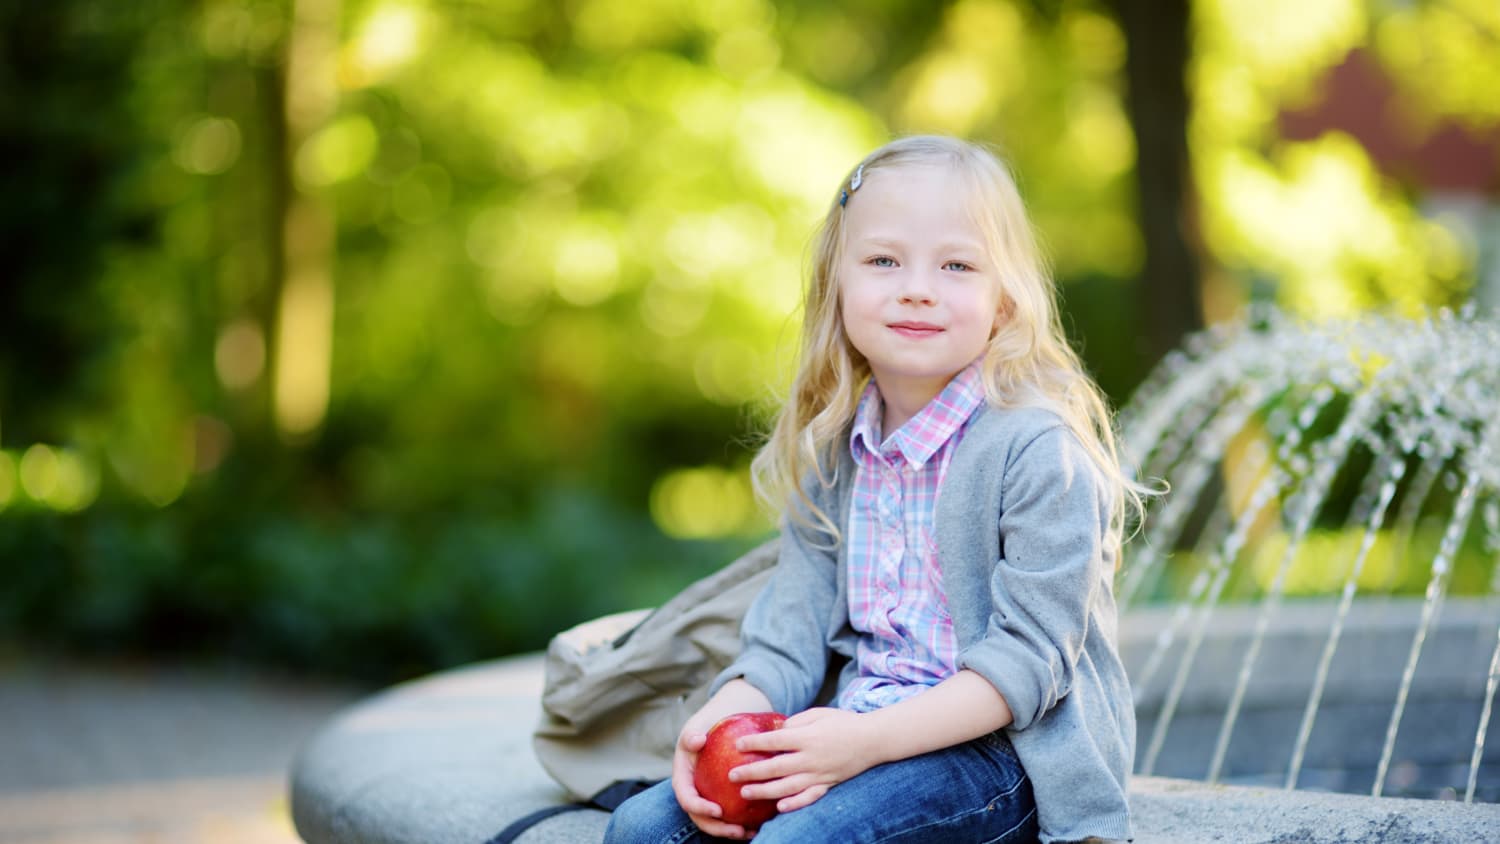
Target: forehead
<point>912,199</point>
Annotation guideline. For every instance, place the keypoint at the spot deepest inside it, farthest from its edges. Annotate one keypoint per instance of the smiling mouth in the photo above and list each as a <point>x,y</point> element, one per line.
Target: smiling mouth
<point>915,330</point>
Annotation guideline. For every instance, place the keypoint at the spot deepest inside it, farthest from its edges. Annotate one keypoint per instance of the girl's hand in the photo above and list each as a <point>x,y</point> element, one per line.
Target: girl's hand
<point>735,696</point>
<point>703,813</point>
<point>819,748</point>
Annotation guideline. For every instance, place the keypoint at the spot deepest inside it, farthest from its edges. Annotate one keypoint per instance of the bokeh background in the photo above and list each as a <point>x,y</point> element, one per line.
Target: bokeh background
<point>368,337</point>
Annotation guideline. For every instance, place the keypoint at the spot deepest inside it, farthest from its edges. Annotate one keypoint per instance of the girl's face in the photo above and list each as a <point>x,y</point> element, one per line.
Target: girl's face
<point>919,295</point>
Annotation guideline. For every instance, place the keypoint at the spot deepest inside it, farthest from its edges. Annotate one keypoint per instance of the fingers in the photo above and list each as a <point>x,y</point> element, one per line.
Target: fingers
<point>691,742</point>
<point>688,797</point>
<point>705,813</point>
<point>766,769</point>
<point>804,798</point>
<point>792,735</point>
<point>697,806</point>
<point>720,829</point>
<point>683,764</point>
<point>771,741</point>
<point>782,788</point>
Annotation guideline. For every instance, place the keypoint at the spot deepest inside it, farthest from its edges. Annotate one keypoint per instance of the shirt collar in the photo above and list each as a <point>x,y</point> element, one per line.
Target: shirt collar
<point>927,432</point>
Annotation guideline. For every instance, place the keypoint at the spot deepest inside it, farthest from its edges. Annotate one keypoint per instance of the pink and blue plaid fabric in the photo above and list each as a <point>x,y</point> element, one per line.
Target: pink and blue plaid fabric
<point>896,597</point>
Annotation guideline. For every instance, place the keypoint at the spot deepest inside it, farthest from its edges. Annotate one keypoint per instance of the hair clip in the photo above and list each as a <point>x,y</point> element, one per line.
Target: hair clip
<point>854,182</point>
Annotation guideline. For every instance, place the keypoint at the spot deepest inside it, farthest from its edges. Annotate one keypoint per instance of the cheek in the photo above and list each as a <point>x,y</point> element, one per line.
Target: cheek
<point>848,319</point>
<point>845,311</point>
<point>854,301</point>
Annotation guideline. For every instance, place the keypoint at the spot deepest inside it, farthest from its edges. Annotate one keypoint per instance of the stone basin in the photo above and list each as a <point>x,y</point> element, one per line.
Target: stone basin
<point>448,758</point>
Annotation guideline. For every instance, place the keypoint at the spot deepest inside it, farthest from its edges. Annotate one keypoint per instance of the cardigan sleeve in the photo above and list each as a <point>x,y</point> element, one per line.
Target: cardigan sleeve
<point>1054,523</point>
<point>784,637</point>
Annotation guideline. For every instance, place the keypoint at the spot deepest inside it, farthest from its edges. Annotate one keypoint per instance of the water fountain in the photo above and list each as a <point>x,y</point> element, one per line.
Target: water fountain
<point>1315,604</point>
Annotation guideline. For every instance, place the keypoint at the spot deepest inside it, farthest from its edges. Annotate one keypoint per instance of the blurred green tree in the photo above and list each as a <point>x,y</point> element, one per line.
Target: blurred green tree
<point>70,149</point>
<point>379,334</point>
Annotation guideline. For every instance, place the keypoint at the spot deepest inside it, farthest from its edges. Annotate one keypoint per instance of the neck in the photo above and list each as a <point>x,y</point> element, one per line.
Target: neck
<point>903,399</point>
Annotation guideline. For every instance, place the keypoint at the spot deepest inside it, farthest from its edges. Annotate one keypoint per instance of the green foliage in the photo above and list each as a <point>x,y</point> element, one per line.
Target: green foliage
<point>67,162</point>
<point>561,245</point>
<point>375,597</point>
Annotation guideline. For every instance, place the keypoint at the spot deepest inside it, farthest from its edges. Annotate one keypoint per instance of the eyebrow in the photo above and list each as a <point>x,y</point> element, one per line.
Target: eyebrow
<point>944,246</point>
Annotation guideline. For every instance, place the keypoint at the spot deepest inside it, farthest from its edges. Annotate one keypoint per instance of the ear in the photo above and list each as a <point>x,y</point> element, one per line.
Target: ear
<point>1005,310</point>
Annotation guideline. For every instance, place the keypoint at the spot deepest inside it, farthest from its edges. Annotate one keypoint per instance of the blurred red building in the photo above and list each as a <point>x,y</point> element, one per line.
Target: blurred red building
<point>1451,169</point>
<point>1360,99</point>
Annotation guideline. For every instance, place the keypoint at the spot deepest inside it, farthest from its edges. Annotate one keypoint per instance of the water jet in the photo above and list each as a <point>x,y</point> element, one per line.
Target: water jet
<point>1316,603</point>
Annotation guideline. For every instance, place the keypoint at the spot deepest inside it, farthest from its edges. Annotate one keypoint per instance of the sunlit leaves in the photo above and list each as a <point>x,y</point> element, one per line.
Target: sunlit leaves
<point>337,152</point>
<point>619,25</point>
<point>234,29</point>
<point>1334,232</point>
<point>567,243</point>
<point>586,261</point>
<point>150,445</point>
<point>389,35</point>
<point>58,478</point>
<point>834,46</point>
<point>1447,54</point>
<point>1279,41</point>
<point>1319,218</point>
<point>703,502</point>
<point>208,145</point>
<point>982,62</point>
<point>800,142</point>
<point>240,354</point>
<point>630,211</point>
<point>8,480</point>
<point>422,194</point>
<point>603,206</point>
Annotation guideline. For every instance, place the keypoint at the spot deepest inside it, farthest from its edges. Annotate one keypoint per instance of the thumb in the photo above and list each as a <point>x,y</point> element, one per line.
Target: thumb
<point>692,742</point>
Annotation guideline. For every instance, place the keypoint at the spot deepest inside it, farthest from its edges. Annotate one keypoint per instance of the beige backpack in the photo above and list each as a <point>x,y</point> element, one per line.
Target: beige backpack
<point>619,688</point>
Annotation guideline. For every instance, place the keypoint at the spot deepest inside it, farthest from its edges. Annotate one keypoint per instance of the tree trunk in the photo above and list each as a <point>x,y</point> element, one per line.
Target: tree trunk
<point>1170,300</point>
<point>304,319</point>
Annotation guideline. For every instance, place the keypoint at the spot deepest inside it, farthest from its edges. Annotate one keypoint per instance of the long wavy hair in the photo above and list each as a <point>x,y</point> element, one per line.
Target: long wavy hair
<point>1028,362</point>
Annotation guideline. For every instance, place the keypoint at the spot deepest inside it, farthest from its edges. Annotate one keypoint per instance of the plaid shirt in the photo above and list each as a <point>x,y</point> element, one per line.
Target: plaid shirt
<point>896,598</point>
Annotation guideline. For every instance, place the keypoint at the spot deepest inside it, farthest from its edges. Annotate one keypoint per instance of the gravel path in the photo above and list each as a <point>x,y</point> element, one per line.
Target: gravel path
<point>121,753</point>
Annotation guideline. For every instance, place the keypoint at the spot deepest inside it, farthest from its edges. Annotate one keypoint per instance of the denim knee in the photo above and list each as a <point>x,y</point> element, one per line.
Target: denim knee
<point>651,817</point>
<point>976,791</point>
<point>632,823</point>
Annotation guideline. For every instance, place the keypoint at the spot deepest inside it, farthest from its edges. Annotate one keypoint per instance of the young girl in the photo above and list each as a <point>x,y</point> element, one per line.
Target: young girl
<point>953,513</point>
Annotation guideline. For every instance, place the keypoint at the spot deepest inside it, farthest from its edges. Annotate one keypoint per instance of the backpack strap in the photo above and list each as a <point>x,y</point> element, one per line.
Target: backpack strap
<point>617,792</point>
<point>608,799</point>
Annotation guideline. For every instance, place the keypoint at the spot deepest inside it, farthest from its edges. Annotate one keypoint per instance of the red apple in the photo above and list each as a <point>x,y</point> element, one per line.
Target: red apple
<point>719,755</point>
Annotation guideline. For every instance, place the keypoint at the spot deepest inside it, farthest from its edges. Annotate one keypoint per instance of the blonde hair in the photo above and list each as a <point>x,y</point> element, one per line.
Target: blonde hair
<point>1028,362</point>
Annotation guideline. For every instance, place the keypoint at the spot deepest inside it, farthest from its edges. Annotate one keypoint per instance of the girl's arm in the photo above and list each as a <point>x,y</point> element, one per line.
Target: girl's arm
<point>1051,576</point>
<point>821,748</point>
<point>962,707</point>
<point>784,652</point>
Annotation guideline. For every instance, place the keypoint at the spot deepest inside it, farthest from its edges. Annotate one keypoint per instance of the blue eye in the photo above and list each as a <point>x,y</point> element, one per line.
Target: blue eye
<point>883,261</point>
<point>957,266</point>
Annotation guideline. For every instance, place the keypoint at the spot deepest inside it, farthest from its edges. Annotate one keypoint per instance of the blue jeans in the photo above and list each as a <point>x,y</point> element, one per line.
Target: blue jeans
<point>972,792</point>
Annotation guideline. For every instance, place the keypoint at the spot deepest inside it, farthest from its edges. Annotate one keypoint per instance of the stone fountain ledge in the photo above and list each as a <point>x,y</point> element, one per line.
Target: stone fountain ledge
<point>448,759</point>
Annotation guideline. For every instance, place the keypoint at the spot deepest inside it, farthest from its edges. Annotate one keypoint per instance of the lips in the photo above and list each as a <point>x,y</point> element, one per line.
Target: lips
<point>915,330</point>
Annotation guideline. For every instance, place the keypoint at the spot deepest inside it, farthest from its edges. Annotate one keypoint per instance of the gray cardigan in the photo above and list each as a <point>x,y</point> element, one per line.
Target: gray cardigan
<point>1022,531</point>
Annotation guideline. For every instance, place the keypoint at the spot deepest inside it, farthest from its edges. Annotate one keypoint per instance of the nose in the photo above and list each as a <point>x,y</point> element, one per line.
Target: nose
<point>916,289</point>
